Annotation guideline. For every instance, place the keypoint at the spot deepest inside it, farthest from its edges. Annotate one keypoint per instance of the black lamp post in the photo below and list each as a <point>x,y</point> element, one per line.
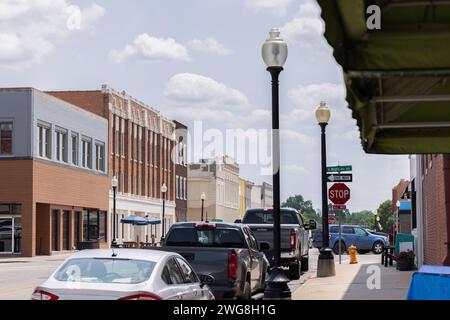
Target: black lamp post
<point>163,231</point>
<point>274,53</point>
<point>325,266</point>
<point>203,197</point>
<point>114,184</point>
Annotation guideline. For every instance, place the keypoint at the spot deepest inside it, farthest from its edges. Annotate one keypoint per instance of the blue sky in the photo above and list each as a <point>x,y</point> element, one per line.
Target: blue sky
<point>200,60</point>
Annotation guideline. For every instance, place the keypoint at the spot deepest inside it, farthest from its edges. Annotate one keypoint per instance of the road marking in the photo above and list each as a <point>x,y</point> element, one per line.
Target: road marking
<point>7,293</point>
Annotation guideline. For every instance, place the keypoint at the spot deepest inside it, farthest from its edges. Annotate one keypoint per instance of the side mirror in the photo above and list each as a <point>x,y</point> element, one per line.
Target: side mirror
<point>206,279</point>
<point>264,246</point>
<point>312,225</point>
<point>238,221</point>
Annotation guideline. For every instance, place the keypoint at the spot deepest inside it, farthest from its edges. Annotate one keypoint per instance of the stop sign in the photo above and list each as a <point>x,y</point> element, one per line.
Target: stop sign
<point>339,193</point>
<point>332,220</point>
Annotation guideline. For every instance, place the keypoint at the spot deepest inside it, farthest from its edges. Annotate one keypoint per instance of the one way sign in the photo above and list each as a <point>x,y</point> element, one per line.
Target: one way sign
<point>344,177</point>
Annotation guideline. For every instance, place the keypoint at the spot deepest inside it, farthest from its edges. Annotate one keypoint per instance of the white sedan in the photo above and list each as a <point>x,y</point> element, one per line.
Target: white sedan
<point>125,274</point>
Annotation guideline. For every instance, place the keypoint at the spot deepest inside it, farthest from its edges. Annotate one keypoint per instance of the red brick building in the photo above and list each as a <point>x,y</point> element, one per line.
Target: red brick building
<point>141,141</point>
<point>435,199</point>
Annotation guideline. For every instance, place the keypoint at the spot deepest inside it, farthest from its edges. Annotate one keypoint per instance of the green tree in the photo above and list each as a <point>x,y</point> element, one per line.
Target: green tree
<point>363,218</point>
<point>385,212</point>
<point>304,207</point>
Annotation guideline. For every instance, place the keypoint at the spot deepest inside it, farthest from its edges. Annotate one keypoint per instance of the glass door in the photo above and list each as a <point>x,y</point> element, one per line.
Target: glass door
<point>17,234</point>
<point>6,235</point>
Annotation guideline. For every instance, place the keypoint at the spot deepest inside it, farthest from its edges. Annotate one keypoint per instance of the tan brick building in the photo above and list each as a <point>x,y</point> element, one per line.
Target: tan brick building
<point>53,174</point>
<point>141,142</point>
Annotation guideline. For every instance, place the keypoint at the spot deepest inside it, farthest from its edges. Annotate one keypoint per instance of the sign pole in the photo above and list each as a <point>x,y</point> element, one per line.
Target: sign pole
<point>340,242</point>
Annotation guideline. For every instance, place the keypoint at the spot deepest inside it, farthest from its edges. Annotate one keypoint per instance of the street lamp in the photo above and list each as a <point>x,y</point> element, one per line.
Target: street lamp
<point>274,54</point>
<point>163,191</point>
<point>114,184</point>
<point>325,267</point>
<point>203,197</point>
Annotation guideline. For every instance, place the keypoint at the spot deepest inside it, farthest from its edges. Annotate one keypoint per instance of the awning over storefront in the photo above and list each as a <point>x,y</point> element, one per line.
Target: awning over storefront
<point>398,77</point>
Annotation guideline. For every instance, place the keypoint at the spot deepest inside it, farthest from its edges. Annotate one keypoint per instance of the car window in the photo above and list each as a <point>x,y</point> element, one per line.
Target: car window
<point>176,277</point>
<point>105,270</point>
<point>349,230</point>
<point>251,241</point>
<point>266,217</point>
<point>189,274</point>
<point>334,229</point>
<point>252,237</point>
<point>166,275</point>
<point>360,231</point>
<point>205,237</point>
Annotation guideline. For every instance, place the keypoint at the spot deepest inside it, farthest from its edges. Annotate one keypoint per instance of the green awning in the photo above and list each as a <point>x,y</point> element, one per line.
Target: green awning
<point>398,77</point>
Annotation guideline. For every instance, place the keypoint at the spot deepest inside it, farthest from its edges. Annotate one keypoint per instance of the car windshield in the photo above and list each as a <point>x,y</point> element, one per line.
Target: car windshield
<point>266,217</point>
<point>99,270</point>
<point>205,237</point>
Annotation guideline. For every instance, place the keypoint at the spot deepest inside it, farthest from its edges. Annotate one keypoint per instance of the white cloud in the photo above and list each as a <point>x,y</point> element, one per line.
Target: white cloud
<point>293,169</point>
<point>306,29</point>
<point>202,98</point>
<point>210,45</point>
<point>277,6</point>
<point>29,28</point>
<point>151,49</point>
<point>294,138</point>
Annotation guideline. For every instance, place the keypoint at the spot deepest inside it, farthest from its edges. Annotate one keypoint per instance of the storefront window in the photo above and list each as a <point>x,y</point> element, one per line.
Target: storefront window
<point>94,225</point>
<point>10,228</point>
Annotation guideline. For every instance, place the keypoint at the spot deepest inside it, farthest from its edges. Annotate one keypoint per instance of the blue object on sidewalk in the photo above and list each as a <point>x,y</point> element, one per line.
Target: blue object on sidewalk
<point>430,283</point>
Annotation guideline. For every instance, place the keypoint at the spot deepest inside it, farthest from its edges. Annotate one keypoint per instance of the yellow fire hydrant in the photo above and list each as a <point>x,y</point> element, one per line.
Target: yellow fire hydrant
<point>352,253</point>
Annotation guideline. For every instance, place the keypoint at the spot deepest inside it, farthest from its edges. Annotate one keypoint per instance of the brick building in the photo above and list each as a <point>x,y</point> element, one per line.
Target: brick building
<point>53,173</point>
<point>181,191</point>
<point>430,179</point>
<point>140,144</point>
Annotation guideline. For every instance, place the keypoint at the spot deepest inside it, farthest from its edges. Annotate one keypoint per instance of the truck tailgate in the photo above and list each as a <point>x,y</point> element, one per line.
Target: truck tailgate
<point>264,233</point>
<point>209,260</point>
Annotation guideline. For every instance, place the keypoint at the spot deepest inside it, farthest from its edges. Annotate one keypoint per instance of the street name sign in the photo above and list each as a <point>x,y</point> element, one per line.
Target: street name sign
<point>339,169</point>
<point>339,193</point>
<point>342,177</point>
<point>339,207</point>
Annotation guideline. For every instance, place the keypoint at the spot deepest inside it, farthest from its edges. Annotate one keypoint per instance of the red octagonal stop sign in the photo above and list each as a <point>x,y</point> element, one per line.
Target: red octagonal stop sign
<point>339,193</point>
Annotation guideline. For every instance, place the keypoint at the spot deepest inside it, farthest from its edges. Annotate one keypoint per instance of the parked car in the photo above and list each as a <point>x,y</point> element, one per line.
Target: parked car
<point>363,240</point>
<point>294,237</point>
<point>125,274</point>
<point>379,233</point>
<point>228,252</point>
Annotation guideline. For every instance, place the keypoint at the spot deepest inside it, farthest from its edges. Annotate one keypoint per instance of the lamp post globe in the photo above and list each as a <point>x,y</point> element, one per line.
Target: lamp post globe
<point>114,185</point>
<point>163,226</point>
<point>325,267</point>
<point>274,53</point>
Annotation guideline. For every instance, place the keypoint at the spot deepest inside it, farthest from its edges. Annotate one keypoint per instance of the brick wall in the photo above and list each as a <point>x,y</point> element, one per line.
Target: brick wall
<point>436,208</point>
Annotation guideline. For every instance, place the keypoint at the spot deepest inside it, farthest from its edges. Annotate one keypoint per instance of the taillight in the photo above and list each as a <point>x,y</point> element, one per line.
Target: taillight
<point>43,295</point>
<point>232,265</point>
<point>293,239</point>
<point>141,296</point>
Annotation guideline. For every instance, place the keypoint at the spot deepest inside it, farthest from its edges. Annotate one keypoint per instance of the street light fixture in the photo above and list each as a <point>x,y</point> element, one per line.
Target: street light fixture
<point>163,231</point>
<point>325,267</point>
<point>274,54</point>
<point>203,197</point>
<point>114,184</point>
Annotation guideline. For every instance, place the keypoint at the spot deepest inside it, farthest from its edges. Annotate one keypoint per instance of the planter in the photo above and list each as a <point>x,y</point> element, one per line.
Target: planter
<point>405,264</point>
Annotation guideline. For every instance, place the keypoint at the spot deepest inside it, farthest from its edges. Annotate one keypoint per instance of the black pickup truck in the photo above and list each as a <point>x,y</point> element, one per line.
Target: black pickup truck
<point>228,252</point>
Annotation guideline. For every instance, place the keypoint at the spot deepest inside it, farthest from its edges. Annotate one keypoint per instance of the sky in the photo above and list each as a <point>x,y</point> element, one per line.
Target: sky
<point>199,62</point>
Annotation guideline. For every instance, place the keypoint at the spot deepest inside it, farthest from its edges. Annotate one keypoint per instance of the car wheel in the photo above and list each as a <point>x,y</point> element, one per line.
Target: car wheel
<point>336,248</point>
<point>305,264</point>
<point>362,251</point>
<point>294,271</point>
<point>377,247</point>
<point>247,292</point>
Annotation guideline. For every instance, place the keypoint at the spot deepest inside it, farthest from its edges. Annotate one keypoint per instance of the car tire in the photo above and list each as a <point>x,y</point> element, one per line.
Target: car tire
<point>362,251</point>
<point>247,292</point>
<point>304,264</point>
<point>294,271</point>
<point>377,247</point>
<point>336,248</point>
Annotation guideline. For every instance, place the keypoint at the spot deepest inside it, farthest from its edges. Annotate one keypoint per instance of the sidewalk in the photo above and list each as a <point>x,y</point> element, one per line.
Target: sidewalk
<point>350,282</point>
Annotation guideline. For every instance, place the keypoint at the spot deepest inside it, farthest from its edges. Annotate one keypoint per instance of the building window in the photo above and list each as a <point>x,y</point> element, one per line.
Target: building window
<point>75,149</point>
<point>185,189</point>
<point>140,145</point>
<point>100,157</point>
<point>61,145</point>
<point>44,141</point>
<point>86,155</point>
<point>122,138</point>
<point>177,187</point>
<point>6,130</point>
<point>116,135</point>
<point>94,225</point>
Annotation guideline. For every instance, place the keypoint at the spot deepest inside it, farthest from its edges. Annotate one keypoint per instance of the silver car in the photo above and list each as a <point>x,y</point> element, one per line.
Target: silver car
<point>125,274</point>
